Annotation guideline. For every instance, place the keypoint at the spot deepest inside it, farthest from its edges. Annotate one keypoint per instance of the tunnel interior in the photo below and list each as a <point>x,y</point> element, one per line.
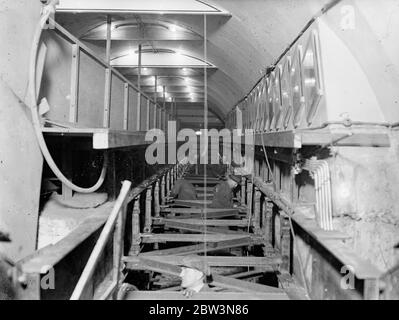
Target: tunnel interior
<point>298,99</point>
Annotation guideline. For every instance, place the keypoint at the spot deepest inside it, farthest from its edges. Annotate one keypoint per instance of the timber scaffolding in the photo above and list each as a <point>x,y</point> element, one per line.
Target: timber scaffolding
<point>250,248</point>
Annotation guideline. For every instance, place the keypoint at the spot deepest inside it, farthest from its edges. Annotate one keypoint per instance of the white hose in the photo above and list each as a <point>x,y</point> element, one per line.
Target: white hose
<point>36,120</point>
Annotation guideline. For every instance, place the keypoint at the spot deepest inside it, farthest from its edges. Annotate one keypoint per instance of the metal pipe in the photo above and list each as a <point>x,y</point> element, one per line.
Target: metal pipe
<point>321,175</point>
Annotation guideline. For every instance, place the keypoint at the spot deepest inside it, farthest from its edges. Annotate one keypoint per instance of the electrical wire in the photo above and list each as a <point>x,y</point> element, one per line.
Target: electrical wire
<point>35,113</point>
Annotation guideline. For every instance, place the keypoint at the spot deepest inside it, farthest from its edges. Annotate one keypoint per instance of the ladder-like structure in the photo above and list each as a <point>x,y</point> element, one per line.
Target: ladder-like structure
<point>233,242</point>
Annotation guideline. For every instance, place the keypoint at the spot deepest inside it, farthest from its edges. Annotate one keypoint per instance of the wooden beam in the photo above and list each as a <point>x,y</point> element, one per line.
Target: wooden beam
<point>180,225</point>
<point>297,139</point>
<point>245,286</point>
<point>269,263</point>
<point>152,238</point>
<point>200,248</point>
<point>211,222</point>
<point>200,210</point>
<point>209,295</point>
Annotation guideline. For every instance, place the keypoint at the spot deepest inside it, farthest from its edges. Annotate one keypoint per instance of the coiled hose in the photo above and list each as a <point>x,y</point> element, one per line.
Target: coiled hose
<point>35,112</point>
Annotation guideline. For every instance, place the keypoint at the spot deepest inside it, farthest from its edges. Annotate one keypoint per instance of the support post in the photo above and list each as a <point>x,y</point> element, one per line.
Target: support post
<point>163,190</point>
<point>157,209</point>
<point>148,209</point>
<point>67,159</point>
<point>118,244</point>
<point>147,120</point>
<point>111,176</point>
<point>125,106</point>
<point>285,243</point>
<point>167,183</point>
<point>249,198</point>
<point>73,109</point>
<point>138,115</point>
<point>108,77</point>
<point>267,223</point>
<point>136,238</point>
<point>256,214</point>
<point>243,194</point>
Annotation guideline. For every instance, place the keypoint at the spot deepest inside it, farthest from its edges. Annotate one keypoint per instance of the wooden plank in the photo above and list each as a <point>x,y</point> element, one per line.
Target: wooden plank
<point>152,238</point>
<point>180,225</point>
<point>193,203</point>
<point>291,139</point>
<point>200,248</point>
<point>201,179</point>
<point>211,222</point>
<point>101,138</point>
<point>50,255</point>
<point>358,139</point>
<point>210,216</point>
<point>208,295</point>
<point>212,261</point>
<point>245,286</point>
<point>363,269</point>
<point>310,226</point>
<point>118,139</point>
<point>285,139</point>
<point>200,210</point>
<point>202,182</point>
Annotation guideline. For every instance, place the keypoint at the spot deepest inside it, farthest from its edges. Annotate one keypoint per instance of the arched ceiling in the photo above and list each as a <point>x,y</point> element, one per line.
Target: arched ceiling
<point>243,38</point>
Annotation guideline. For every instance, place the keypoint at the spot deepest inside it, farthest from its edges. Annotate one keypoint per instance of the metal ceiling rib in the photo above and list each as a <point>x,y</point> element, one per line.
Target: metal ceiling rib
<point>139,6</point>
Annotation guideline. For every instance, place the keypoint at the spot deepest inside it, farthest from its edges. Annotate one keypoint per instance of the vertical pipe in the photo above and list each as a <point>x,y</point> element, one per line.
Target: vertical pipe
<point>138,119</point>
<point>108,77</point>
<point>329,195</point>
<point>73,108</point>
<point>125,106</point>
<point>324,196</point>
<point>163,109</point>
<point>147,120</point>
<point>155,100</point>
<point>249,199</point>
<point>108,43</point>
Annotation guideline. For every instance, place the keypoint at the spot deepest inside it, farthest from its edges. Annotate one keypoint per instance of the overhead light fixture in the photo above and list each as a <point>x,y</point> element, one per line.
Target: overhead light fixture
<point>145,69</point>
<point>198,133</point>
<point>185,69</point>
